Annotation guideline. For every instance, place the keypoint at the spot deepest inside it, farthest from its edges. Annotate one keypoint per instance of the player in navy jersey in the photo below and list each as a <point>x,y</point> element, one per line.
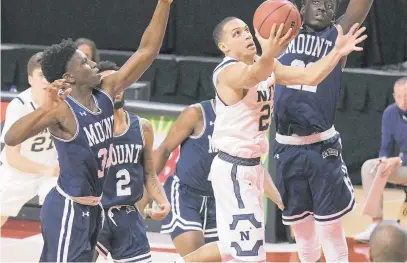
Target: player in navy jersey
<point>311,175</point>
<point>123,235</point>
<point>192,221</point>
<point>82,126</point>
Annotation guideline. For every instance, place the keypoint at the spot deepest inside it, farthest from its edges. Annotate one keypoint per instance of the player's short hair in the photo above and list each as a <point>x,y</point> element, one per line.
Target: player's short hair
<point>87,41</point>
<point>34,63</point>
<point>388,243</point>
<point>56,58</point>
<point>107,65</point>
<point>218,31</point>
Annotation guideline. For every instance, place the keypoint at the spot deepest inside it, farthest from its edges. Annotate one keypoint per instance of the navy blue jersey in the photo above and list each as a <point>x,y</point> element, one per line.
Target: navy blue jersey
<point>125,179</point>
<point>197,154</point>
<point>83,159</point>
<point>308,106</point>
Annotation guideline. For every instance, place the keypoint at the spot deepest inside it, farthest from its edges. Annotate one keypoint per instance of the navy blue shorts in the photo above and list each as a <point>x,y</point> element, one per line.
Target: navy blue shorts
<point>124,236</point>
<point>313,181</point>
<point>190,211</point>
<point>69,229</point>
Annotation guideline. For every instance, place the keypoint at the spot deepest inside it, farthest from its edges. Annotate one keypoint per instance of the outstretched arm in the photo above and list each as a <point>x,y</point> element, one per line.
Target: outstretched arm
<point>319,70</point>
<point>183,127</point>
<point>148,50</point>
<point>153,185</point>
<point>356,12</point>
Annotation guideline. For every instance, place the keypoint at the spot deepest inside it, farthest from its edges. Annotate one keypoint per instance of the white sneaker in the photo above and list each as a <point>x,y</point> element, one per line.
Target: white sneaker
<point>364,236</point>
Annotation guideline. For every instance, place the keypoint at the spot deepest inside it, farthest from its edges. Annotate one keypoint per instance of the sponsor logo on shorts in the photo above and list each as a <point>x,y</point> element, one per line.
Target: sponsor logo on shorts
<point>330,152</point>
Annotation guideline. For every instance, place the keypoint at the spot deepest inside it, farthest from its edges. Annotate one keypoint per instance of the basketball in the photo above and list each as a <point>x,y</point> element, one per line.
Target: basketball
<point>276,12</point>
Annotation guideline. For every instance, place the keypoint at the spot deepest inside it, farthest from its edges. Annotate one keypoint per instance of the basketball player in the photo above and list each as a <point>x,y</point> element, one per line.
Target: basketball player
<point>82,127</point>
<point>124,234</point>
<point>30,168</point>
<point>245,87</point>
<point>311,175</point>
<point>192,221</point>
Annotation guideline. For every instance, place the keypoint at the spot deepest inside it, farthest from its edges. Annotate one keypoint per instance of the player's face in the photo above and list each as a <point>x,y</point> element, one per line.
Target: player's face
<point>87,50</point>
<point>400,96</point>
<point>237,39</point>
<point>318,14</point>
<point>37,80</point>
<point>82,71</point>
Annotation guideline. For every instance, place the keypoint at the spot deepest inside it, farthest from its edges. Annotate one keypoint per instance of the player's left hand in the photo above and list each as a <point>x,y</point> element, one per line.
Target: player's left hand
<point>345,44</point>
<point>143,205</point>
<point>161,213</point>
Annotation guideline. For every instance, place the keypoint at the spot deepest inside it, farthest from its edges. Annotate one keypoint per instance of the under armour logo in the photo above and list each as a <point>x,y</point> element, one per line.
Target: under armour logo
<point>85,214</point>
<point>82,113</point>
<point>211,123</point>
<point>277,156</point>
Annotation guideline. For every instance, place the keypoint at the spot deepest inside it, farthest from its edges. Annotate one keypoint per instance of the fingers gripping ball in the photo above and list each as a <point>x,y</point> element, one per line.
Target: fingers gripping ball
<point>276,12</point>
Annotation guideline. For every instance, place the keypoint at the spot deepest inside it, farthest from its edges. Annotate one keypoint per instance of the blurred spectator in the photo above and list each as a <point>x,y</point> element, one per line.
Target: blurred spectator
<point>394,133</point>
<point>388,243</point>
<point>88,47</point>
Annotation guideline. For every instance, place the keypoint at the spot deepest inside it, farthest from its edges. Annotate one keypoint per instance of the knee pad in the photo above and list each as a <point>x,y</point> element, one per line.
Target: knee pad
<point>332,237</point>
<point>309,248</point>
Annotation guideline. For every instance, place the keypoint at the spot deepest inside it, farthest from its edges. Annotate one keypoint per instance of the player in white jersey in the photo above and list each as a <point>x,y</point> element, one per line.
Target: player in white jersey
<point>30,168</point>
<point>245,86</point>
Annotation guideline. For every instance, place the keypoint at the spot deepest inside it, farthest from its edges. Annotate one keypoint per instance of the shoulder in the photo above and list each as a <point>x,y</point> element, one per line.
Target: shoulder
<point>390,109</point>
<point>193,112</point>
<point>22,99</point>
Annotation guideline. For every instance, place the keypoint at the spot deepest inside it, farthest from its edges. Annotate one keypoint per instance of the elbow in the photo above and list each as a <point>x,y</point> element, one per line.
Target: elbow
<point>9,140</point>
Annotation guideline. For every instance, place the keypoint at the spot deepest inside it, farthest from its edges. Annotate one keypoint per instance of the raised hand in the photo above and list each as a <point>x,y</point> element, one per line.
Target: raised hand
<point>273,45</point>
<point>345,44</point>
<point>56,94</point>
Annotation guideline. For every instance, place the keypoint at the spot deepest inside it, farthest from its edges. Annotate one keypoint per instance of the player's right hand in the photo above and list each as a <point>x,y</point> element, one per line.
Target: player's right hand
<point>163,211</point>
<point>272,46</point>
<point>56,94</point>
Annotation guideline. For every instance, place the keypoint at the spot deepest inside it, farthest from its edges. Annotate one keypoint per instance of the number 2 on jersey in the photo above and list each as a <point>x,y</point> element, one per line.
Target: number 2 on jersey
<point>124,179</point>
<point>301,64</point>
<point>264,121</point>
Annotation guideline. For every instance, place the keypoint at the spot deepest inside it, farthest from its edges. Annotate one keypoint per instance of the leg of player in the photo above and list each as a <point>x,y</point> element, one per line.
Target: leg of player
<point>189,242</point>
<point>207,253</point>
<point>309,248</point>
<point>333,241</point>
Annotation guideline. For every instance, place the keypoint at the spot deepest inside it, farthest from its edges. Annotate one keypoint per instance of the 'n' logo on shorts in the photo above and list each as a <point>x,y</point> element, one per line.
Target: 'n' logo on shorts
<point>245,235</point>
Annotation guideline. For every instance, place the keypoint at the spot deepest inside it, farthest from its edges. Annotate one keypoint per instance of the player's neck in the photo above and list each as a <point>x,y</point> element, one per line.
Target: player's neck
<point>82,95</point>
<point>120,121</point>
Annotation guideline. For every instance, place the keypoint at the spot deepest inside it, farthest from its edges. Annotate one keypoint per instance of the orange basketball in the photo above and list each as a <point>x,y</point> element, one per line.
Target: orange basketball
<point>276,12</point>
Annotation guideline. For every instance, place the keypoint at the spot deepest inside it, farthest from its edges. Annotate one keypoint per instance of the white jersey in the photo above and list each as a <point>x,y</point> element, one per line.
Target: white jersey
<point>40,148</point>
<point>241,129</point>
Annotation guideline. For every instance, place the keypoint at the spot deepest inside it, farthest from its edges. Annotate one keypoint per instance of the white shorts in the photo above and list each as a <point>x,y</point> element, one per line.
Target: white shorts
<point>238,185</point>
<point>16,189</point>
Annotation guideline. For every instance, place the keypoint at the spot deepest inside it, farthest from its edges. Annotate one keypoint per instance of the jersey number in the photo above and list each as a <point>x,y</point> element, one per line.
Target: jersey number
<point>40,144</point>
<point>106,162</point>
<point>124,179</point>
<point>264,121</point>
<point>301,64</point>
